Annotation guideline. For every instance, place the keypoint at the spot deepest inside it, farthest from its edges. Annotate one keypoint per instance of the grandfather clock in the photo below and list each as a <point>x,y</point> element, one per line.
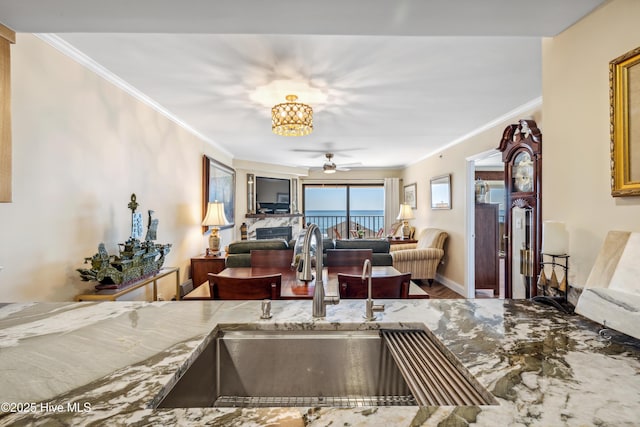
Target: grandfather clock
<point>521,148</point>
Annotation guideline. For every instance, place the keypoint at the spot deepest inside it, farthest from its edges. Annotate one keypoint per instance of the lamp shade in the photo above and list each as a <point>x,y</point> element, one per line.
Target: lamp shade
<point>405,212</point>
<point>555,238</point>
<point>215,215</point>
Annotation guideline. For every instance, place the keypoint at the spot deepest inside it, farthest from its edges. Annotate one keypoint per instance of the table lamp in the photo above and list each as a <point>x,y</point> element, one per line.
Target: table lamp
<point>215,218</point>
<point>405,214</point>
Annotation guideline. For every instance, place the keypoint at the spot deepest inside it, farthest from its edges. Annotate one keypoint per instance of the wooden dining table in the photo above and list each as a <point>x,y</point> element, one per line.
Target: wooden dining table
<point>292,288</point>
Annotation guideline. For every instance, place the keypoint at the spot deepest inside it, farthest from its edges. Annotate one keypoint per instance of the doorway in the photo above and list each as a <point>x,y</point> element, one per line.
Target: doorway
<point>485,225</point>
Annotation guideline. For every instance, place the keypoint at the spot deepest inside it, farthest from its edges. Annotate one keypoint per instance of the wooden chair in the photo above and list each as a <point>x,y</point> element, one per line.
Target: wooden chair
<point>271,257</point>
<point>348,257</point>
<point>352,286</point>
<point>249,288</point>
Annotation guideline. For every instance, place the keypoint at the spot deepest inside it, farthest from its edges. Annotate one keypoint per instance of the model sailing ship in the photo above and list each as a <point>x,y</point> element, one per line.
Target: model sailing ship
<point>137,259</point>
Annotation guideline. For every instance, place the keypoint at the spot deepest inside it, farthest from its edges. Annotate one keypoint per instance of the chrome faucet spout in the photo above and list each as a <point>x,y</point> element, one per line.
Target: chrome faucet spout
<point>370,306</point>
<point>305,274</point>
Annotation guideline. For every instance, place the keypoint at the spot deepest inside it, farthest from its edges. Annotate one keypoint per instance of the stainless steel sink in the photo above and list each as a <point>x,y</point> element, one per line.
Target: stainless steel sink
<point>325,368</point>
<point>292,368</point>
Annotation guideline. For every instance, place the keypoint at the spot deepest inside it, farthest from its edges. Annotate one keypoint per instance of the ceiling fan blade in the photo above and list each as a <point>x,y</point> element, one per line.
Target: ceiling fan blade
<point>309,150</point>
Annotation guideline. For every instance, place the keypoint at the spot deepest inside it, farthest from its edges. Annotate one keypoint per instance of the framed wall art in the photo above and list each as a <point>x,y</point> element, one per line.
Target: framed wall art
<point>624,82</point>
<point>218,183</point>
<point>410,195</point>
<point>441,192</point>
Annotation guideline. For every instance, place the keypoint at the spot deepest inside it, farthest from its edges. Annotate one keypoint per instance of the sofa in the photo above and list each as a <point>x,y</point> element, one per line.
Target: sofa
<point>380,248</point>
<point>421,259</point>
<point>239,252</point>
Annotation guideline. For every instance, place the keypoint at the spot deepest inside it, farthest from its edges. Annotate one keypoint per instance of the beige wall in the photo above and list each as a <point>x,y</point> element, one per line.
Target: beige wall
<point>453,160</point>
<point>81,146</point>
<point>576,161</point>
<point>576,168</point>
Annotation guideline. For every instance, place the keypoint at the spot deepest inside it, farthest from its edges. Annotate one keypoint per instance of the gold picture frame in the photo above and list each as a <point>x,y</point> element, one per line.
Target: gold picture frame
<point>624,94</point>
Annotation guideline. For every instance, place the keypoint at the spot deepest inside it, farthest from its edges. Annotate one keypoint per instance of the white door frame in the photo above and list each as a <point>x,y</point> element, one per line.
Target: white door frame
<point>470,215</point>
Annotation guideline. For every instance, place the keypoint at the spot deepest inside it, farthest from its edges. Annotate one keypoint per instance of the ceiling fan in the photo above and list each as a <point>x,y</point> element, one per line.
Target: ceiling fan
<point>329,147</point>
<point>330,167</point>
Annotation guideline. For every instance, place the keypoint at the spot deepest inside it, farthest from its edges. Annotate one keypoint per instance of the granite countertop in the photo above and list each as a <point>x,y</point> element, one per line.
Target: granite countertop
<point>83,363</point>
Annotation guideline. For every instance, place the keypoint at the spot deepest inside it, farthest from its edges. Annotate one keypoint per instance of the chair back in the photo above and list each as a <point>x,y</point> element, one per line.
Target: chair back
<point>432,238</point>
<point>352,286</point>
<point>348,257</point>
<point>245,288</point>
<point>271,257</point>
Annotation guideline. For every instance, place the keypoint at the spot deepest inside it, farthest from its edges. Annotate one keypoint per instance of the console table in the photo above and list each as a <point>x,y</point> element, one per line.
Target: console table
<point>114,294</point>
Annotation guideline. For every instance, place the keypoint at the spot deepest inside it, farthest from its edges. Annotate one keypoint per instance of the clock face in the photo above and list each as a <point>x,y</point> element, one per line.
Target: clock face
<point>523,173</point>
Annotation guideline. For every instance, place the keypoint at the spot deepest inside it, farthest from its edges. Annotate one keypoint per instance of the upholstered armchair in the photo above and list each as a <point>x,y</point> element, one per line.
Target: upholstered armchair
<point>421,259</point>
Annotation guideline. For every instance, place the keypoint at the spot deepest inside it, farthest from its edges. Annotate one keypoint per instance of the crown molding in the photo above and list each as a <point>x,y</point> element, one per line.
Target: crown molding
<point>511,115</point>
<point>87,62</point>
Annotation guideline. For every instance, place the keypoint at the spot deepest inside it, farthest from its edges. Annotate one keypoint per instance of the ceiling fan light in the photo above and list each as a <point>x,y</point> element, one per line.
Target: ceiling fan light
<point>329,170</point>
<point>292,118</point>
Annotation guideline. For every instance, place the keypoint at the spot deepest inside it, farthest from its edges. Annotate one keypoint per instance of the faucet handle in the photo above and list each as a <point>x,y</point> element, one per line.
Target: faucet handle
<point>266,309</point>
<point>378,307</point>
<point>371,308</point>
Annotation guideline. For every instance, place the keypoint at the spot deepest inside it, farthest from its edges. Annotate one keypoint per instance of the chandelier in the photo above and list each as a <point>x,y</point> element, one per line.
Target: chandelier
<point>292,118</point>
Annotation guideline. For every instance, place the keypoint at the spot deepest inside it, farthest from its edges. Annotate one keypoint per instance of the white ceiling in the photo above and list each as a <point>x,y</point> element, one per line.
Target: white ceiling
<point>401,79</point>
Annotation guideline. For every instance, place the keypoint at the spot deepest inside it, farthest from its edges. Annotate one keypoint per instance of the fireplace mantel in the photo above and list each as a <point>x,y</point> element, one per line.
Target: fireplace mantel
<point>263,216</point>
<point>255,221</point>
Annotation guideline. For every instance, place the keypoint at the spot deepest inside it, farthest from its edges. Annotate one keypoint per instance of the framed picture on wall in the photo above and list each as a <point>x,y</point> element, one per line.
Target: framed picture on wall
<point>410,195</point>
<point>218,184</point>
<point>624,94</point>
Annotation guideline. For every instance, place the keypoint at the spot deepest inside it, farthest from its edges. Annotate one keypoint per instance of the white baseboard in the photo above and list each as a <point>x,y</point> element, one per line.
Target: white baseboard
<point>456,287</point>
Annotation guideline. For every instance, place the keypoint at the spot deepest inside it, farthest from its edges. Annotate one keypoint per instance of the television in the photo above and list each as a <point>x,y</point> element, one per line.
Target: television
<point>273,195</point>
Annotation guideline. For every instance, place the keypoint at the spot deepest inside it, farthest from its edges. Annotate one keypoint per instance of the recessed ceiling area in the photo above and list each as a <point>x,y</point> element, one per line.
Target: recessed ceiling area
<point>397,80</point>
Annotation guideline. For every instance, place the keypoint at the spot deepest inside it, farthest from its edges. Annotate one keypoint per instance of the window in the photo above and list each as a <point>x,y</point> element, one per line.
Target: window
<point>345,210</point>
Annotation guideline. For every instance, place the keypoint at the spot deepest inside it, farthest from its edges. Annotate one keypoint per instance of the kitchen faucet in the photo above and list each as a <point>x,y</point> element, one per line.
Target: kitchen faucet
<point>370,307</point>
<point>304,273</point>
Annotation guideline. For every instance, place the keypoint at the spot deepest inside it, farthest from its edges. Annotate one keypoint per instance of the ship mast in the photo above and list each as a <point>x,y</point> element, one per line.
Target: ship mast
<point>136,218</point>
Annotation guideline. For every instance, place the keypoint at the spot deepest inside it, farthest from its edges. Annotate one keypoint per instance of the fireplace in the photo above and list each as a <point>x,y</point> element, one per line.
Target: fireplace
<point>274,233</point>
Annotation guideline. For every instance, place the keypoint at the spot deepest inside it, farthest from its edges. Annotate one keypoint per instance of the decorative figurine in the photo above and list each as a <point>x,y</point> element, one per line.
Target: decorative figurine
<point>136,259</point>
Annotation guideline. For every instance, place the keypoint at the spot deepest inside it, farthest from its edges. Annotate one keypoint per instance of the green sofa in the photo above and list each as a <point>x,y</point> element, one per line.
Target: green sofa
<point>239,253</point>
<point>380,248</point>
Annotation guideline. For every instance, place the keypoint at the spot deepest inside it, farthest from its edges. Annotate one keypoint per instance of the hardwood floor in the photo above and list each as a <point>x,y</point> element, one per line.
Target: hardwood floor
<point>440,291</point>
